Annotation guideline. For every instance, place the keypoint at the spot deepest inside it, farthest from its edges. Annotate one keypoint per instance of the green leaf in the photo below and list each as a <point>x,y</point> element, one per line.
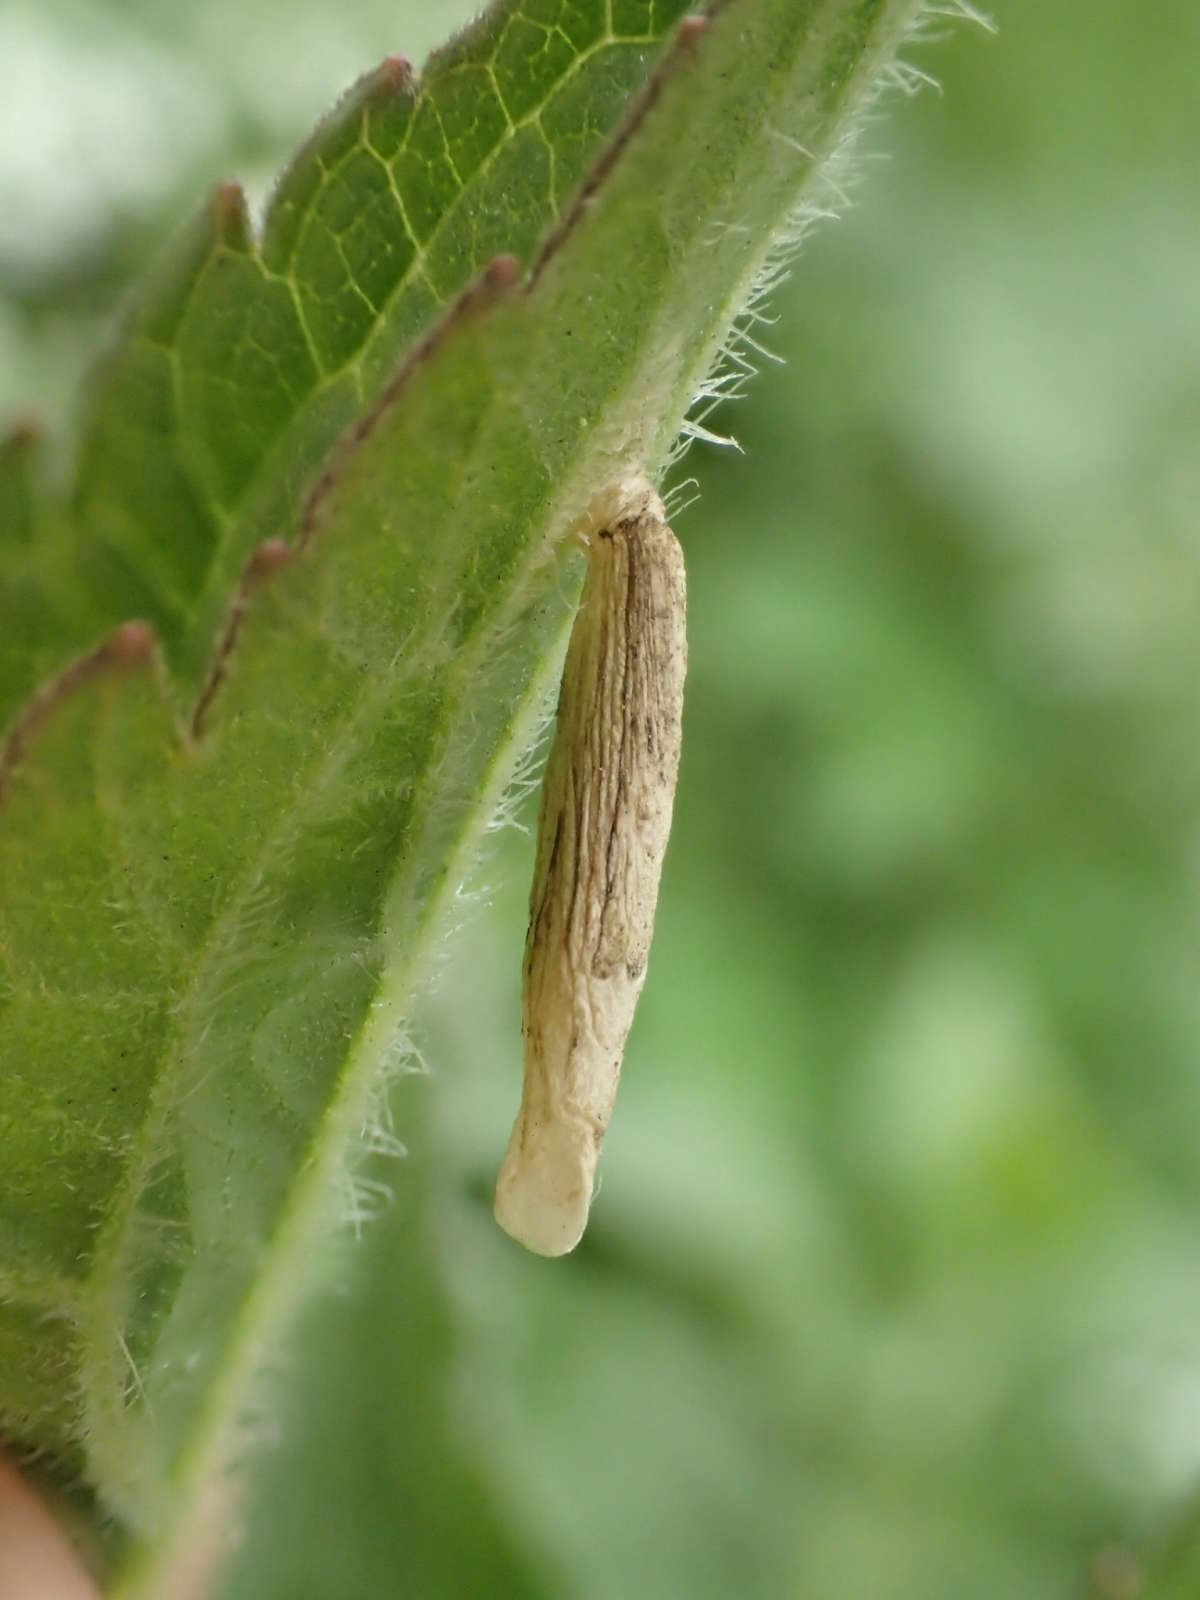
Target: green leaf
<point>243,361</point>
<point>229,833</point>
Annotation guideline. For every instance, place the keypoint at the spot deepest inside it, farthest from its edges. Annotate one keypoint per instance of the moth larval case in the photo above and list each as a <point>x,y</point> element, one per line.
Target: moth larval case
<point>607,797</point>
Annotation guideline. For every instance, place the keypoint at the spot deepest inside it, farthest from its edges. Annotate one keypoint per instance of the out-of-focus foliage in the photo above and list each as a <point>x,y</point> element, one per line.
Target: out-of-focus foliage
<point>893,1288</point>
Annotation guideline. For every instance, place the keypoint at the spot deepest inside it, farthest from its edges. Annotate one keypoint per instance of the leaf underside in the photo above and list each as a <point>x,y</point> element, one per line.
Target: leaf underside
<point>224,842</point>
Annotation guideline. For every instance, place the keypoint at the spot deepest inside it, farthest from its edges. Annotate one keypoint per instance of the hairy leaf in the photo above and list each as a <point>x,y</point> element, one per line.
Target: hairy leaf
<point>332,471</point>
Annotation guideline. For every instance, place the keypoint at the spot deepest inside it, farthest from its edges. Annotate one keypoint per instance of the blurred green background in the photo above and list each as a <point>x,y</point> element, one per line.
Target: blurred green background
<point>893,1288</point>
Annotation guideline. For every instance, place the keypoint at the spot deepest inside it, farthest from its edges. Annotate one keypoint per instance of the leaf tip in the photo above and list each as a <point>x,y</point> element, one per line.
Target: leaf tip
<point>231,218</point>
<point>267,559</point>
<point>131,644</point>
<point>502,272</point>
<point>396,74</point>
<point>691,29</point>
